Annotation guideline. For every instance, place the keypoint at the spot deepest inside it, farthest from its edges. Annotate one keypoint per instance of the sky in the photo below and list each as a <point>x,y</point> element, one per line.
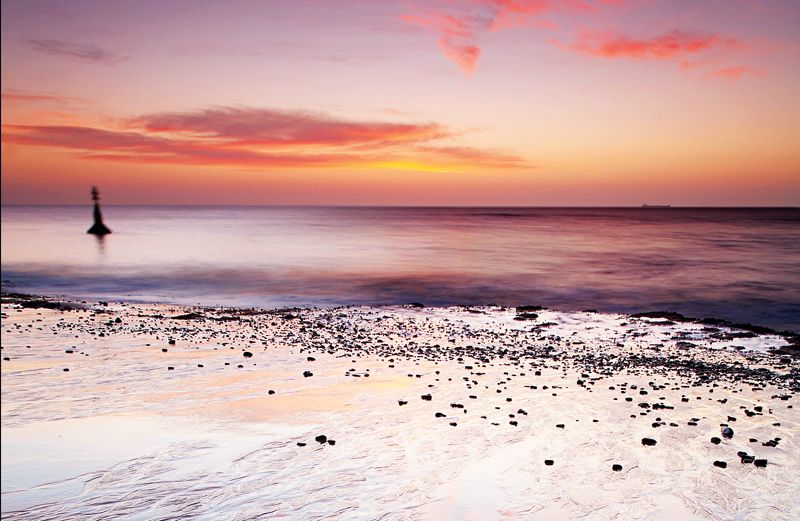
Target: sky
<point>431,102</point>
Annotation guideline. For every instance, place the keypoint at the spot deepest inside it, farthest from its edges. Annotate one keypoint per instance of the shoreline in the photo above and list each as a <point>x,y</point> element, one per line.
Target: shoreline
<point>66,302</point>
<point>456,412</point>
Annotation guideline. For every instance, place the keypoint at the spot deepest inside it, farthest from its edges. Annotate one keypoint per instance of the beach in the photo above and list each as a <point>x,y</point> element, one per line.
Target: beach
<point>153,411</point>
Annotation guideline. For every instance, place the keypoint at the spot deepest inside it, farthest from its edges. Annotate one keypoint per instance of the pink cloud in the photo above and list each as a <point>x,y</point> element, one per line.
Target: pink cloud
<point>260,138</point>
<point>459,24</point>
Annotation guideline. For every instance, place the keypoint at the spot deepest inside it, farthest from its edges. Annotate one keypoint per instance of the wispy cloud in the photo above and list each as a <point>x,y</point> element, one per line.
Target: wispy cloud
<point>732,73</point>
<point>263,138</point>
<point>459,24</point>
<point>86,53</point>
<point>674,44</point>
<point>21,96</point>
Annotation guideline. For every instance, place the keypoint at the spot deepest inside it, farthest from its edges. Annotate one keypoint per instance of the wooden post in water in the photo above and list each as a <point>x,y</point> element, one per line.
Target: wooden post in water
<point>98,228</point>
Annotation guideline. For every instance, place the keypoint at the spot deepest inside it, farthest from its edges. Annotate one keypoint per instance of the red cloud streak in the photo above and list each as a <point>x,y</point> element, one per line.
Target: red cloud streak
<point>674,44</point>
<point>260,138</point>
<point>248,126</point>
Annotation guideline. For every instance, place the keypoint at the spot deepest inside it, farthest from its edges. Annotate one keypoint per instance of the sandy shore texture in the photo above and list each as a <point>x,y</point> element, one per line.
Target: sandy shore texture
<point>161,412</point>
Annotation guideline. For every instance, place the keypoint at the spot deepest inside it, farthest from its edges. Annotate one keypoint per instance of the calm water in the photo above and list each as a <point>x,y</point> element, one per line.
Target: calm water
<point>738,264</point>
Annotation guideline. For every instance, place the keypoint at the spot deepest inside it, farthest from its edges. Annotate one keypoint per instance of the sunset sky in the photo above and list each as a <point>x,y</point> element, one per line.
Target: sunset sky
<point>452,102</point>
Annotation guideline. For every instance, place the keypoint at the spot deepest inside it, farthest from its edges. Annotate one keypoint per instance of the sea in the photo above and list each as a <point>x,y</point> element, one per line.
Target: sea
<point>737,264</point>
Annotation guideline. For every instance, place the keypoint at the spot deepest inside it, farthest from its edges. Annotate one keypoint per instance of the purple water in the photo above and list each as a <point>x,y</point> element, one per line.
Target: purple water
<point>738,264</point>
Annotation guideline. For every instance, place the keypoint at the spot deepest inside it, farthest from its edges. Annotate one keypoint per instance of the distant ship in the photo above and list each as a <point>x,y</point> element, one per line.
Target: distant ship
<point>645,205</point>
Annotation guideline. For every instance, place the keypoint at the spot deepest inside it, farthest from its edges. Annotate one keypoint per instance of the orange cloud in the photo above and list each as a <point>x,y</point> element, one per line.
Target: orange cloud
<point>261,138</point>
<point>675,44</point>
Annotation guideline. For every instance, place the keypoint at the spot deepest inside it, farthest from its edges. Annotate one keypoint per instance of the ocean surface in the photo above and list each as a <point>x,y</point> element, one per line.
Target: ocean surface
<point>737,264</point>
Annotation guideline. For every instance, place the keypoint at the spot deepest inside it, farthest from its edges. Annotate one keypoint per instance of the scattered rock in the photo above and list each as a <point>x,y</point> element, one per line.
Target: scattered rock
<point>648,442</point>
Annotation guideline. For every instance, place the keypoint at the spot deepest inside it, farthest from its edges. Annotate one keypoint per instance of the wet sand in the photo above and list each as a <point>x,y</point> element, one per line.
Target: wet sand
<point>434,413</point>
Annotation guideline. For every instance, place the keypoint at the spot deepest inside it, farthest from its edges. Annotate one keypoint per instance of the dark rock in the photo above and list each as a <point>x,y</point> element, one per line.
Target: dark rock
<point>548,462</point>
<point>715,440</point>
<point>440,415</point>
<point>720,464</point>
<point>307,374</point>
<point>310,359</point>
<point>648,442</point>
<point>301,444</point>
<point>760,463</point>
<point>270,392</point>
<point>401,402</point>
<point>321,438</point>
<point>426,397</point>
<point>247,354</point>
<point>727,432</point>
<point>331,442</point>
<point>616,467</point>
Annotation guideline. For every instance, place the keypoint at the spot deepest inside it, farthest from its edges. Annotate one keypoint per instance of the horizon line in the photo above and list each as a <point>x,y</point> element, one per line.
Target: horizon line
<point>213,205</point>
